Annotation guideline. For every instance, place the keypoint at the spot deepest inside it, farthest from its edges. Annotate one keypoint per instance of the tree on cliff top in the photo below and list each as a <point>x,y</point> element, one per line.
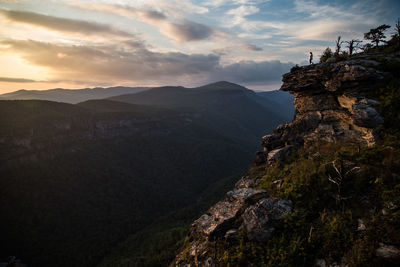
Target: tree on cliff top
<point>326,55</point>
<point>376,35</point>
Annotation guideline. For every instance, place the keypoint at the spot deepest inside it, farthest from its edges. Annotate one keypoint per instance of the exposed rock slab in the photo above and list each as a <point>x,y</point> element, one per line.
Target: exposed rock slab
<point>243,208</point>
<point>259,219</point>
<point>217,219</point>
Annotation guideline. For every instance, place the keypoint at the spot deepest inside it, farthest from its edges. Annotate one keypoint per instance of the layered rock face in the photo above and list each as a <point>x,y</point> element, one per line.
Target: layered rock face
<point>331,106</point>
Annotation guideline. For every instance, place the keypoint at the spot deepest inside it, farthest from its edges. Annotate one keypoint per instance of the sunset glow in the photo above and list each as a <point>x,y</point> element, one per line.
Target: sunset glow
<point>75,44</point>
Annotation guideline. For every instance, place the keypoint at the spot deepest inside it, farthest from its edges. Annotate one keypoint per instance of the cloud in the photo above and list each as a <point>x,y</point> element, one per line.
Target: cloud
<point>15,80</point>
<point>251,47</point>
<point>241,12</point>
<point>62,24</point>
<point>111,63</point>
<point>143,13</point>
<point>252,72</point>
<point>183,30</point>
<point>187,31</point>
<point>219,3</point>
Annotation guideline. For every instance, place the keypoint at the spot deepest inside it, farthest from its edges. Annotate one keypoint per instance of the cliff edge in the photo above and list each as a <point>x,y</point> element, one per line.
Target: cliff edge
<point>322,185</point>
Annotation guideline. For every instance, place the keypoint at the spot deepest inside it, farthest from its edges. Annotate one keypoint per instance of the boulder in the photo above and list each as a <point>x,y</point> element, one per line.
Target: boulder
<point>366,116</point>
<point>259,219</point>
<point>217,220</point>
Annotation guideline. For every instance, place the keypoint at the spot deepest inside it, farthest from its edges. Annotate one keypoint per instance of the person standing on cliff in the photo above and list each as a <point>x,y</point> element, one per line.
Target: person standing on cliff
<point>311,58</point>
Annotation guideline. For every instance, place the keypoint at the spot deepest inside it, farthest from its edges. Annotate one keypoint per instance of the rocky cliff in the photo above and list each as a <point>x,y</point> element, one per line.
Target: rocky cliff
<point>335,104</point>
<point>331,105</point>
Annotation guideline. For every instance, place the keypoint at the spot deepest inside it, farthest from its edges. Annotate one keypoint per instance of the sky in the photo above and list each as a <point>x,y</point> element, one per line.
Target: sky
<point>100,43</point>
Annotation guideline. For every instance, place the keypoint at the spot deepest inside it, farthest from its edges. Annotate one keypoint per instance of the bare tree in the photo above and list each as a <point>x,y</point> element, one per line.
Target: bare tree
<point>397,28</point>
<point>352,45</point>
<point>396,34</point>
<point>339,176</point>
<point>338,45</point>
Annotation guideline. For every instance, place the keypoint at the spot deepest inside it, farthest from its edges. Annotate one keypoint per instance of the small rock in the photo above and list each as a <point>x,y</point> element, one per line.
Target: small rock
<point>279,154</point>
<point>384,212</point>
<point>387,251</point>
<point>361,225</point>
<point>231,235</point>
<point>320,263</point>
<point>391,205</point>
<point>244,182</point>
<point>278,182</point>
<point>209,262</point>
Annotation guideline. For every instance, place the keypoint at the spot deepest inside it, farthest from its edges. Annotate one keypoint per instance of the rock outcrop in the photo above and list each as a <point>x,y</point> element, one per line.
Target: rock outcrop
<point>330,104</point>
<point>245,210</point>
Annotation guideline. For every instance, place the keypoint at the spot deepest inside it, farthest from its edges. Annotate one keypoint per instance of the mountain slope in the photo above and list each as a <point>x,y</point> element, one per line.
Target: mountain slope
<point>72,96</point>
<point>229,108</point>
<point>325,190</point>
<point>78,179</point>
<point>283,101</point>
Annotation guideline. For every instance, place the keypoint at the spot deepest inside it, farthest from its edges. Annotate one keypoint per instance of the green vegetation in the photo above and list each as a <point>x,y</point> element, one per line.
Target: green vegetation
<point>321,227</point>
<point>326,55</point>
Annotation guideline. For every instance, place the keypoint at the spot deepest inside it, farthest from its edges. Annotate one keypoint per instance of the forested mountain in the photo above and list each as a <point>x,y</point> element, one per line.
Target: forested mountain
<point>230,108</point>
<point>78,179</point>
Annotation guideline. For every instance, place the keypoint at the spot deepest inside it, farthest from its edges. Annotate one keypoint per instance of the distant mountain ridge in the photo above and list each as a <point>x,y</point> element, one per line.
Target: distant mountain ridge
<point>222,85</point>
<point>71,96</point>
<point>74,96</point>
<point>222,104</point>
